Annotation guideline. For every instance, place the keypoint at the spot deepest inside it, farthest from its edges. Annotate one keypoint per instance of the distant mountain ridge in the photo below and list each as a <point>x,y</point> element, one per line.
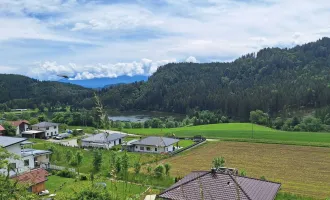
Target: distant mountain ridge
<point>105,82</point>
<point>273,80</point>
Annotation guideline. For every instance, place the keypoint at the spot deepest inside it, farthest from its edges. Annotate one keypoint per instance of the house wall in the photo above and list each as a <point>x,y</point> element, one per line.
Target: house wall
<point>20,168</point>
<point>21,128</point>
<point>167,149</point>
<point>102,145</point>
<point>52,131</point>
<point>38,188</point>
<point>137,148</point>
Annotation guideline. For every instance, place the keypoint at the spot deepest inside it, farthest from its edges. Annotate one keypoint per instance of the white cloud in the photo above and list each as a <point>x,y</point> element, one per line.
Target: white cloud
<point>191,59</point>
<point>122,32</point>
<point>52,71</point>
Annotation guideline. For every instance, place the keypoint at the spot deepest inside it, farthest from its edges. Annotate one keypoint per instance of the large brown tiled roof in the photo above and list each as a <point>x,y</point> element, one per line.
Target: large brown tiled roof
<point>220,186</point>
<point>33,177</point>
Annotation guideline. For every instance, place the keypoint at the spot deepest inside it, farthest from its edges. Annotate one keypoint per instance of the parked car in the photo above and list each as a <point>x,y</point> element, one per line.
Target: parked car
<point>62,136</point>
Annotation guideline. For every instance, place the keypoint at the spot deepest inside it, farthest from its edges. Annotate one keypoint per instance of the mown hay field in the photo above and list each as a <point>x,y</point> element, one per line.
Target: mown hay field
<point>302,170</point>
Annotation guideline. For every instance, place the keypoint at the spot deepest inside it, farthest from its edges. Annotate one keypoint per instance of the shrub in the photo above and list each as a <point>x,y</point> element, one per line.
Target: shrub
<point>159,171</point>
<point>263,178</point>
<point>83,178</point>
<point>66,173</point>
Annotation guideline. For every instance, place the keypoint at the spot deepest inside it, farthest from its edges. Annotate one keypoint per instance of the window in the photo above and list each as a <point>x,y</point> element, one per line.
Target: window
<point>51,133</point>
<point>47,128</point>
<point>47,156</point>
<point>142,148</point>
<point>55,132</point>
<point>155,149</point>
<point>55,127</point>
<point>114,142</point>
<point>136,147</point>
<point>26,163</point>
<point>148,148</point>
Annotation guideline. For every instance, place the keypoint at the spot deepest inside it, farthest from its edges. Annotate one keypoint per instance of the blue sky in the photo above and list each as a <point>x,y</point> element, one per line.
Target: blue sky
<point>102,38</point>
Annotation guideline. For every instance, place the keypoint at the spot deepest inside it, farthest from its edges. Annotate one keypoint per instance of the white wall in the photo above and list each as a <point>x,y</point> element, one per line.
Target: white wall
<point>52,131</point>
<point>26,127</point>
<point>16,149</point>
<point>137,148</point>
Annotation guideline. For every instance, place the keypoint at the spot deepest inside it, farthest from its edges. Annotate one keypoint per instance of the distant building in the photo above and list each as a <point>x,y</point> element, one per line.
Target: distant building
<point>35,179</point>
<point>21,126</point>
<point>50,129</point>
<point>2,130</point>
<point>103,140</point>
<point>208,185</point>
<point>154,144</point>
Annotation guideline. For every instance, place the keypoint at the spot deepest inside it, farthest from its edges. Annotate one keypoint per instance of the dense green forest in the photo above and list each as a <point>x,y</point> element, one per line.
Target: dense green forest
<point>18,91</point>
<point>273,80</point>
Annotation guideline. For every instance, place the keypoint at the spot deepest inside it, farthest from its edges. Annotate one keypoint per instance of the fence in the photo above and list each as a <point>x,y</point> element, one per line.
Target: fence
<point>189,147</point>
<point>55,167</point>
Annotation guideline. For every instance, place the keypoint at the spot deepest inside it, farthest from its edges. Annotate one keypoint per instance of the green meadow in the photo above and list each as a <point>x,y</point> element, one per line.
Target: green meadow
<point>241,132</point>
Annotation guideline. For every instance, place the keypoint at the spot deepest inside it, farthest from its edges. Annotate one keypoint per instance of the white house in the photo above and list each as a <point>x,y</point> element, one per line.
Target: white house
<point>27,159</point>
<point>154,144</point>
<point>103,140</point>
<point>21,126</point>
<point>19,165</point>
<point>50,129</point>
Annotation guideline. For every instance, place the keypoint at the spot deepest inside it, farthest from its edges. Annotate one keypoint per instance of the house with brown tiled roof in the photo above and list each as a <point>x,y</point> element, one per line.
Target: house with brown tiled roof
<point>35,179</point>
<point>210,185</point>
<point>21,126</point>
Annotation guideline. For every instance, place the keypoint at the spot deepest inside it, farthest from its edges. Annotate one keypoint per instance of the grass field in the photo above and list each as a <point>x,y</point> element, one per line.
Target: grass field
<point>87,163</point>
<point>242,131</point>
<point>301,170</point>
<point>70,186</point>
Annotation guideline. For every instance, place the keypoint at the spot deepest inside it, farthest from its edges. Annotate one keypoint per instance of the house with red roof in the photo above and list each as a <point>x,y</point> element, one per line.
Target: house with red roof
<point>2,130</point>
<point>35,179</point>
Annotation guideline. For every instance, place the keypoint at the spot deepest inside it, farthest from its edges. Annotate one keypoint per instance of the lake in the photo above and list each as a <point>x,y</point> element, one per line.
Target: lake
<point>142,116</point>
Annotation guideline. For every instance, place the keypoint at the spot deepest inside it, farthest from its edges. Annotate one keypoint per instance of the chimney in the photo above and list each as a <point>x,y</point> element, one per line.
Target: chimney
<point>213,170</point>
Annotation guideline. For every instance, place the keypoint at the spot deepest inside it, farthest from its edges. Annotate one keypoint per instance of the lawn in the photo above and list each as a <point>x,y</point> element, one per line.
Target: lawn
<point>302,170</point>
<point>69,186</point>
<point>87,163</point>
<point>243,132</point>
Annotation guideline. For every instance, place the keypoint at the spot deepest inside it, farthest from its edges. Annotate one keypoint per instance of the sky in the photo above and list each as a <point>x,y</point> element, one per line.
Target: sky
<point>87,39</point>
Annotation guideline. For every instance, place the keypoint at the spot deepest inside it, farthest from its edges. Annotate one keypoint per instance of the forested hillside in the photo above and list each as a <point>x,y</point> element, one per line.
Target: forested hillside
<point>272,80</point>
<point>18,91</point>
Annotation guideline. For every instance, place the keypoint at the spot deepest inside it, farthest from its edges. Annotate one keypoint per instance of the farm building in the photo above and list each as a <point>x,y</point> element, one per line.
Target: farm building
<point>153,144</point>
<point>50,129</point>
<point>35,179</point>
<point>103,140</point>
<point>208,185</point>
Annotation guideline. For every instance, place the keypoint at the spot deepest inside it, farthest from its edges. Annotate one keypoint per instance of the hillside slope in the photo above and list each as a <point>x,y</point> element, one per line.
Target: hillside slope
<point>272,80</point>
<point>18,91</point>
